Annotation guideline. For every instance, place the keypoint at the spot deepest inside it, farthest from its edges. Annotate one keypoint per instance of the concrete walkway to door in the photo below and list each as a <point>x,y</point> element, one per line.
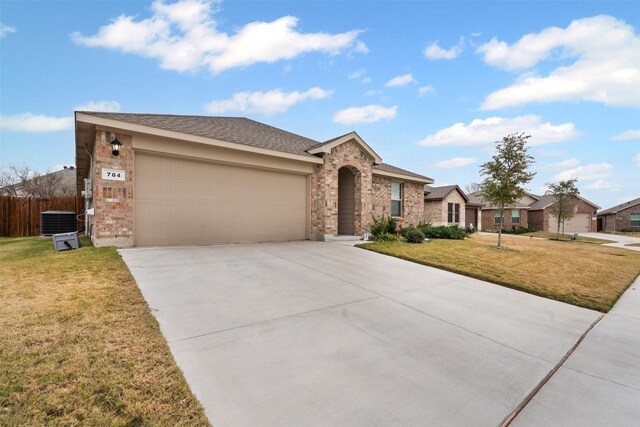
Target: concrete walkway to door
<point>311,333</point>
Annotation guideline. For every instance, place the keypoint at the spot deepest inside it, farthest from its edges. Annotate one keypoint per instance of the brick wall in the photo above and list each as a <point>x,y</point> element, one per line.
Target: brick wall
<point>324,190</point>
<point>413,204</point>
<point>488,222</point>
<point>623,218</point>
<point>433,212</point>
<point>112,200</point>
<point>539,219</point>
<point>583,208</point>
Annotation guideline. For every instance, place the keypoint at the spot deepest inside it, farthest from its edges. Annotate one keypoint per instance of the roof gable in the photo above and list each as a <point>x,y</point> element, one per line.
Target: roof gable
<point>439,193</point>
<point>620,207</point>
<point>326,146</point>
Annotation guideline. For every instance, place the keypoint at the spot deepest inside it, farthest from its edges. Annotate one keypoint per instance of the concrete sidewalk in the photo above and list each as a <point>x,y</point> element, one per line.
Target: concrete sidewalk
<point>311,333</point>
<point>621,240</point>
<point>599,384</point>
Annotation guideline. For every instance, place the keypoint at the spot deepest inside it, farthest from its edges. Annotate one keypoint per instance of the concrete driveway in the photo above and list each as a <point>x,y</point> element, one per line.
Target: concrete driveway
<point>621,240</point>
<point>311,333</point>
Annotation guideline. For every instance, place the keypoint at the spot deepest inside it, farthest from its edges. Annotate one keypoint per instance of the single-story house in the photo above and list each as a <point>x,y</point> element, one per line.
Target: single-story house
<point>623,217</point>
<point>583,220</point>
<point>445,205</point>
<point>154,180</point>
<point>533,211</point>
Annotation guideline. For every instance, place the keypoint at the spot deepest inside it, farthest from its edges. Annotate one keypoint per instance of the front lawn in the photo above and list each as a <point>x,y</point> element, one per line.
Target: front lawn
<point>632,244</point>
<point>79,346</point>
<point>586,275</point>
<point>567,237</point>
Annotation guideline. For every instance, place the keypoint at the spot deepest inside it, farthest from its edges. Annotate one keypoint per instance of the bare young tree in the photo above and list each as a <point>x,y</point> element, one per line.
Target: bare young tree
<point>22,181</point>
<point>472,187</point>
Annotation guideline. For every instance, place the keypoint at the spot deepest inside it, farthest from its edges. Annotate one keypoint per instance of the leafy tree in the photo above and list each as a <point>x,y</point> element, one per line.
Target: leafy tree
<point>506,173</point>
<point>565,195</point>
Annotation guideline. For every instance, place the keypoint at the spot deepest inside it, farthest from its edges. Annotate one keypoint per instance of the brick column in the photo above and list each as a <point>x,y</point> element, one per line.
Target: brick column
<point>112,200</point>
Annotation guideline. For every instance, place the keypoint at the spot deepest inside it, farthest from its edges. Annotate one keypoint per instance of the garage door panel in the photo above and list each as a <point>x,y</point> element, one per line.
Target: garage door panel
<point>179,201</point>
<point>580,223</point>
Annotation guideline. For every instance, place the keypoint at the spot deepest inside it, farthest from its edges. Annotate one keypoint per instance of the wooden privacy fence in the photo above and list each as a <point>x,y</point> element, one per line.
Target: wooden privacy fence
<point>20,216</point>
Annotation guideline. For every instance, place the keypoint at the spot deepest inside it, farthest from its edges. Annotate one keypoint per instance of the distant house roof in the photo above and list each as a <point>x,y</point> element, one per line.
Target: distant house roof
<point>439,193</point>
<point>478,199</point>
<point>545,201</point>
<point>244,131</point>
<point>620,207</point>
<point>64,179</point>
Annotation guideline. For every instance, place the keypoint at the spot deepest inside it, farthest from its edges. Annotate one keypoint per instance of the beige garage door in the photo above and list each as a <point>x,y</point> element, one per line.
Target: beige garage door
<point>183,202</point>
<point>578,224</point>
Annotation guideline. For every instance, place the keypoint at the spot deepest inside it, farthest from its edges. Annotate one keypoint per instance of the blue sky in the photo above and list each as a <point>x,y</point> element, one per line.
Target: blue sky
<point>429,85</point>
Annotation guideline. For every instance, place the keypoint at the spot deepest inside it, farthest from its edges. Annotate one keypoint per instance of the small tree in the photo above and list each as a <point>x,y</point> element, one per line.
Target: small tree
<point>26,182</point>
<point>472,187</point>
<point>506,173</point>
<point>565,195</point>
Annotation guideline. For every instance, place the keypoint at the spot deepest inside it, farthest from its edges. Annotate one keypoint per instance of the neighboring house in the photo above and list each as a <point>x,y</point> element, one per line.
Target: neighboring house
<point>60,183</point>
<point>180,180</point>
<point>533,211</point>
<point>583,220</point>
<point>623,217</point>
<point>445,205</point>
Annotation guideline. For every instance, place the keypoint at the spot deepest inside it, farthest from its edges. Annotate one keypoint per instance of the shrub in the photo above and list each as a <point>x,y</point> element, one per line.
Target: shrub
<point>413,235</point>
<point>387,237</point>
<point>382,225</point>
<point>519,230</point>
<point>444,232</point>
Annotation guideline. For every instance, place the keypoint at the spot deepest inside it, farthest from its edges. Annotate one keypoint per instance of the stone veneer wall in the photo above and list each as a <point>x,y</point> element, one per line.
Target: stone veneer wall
<point>112,200</point>
<point>324,190</point>
<point>433,212</point>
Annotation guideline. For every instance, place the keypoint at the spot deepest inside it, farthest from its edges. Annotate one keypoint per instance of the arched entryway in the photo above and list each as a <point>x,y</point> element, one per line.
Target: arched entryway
<point>346,202</point>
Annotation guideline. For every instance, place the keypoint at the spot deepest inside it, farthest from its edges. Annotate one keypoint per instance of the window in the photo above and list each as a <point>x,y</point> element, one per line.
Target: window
<point>396,199</point>
<point>496,218</point>
<point>635,220</point>
<point>453,213</point>
<point>515,216</point>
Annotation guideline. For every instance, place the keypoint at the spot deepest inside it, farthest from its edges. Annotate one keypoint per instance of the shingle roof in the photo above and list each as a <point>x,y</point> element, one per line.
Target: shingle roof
<point>477,198</point>
<point>239,130</point>
<point>542,202</point>
<point>439,193</point>
<point>394,169</point>
<point>620,207</point>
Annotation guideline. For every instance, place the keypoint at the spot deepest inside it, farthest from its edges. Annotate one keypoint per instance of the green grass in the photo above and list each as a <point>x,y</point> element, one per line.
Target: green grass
<point>567,237</point>
<point>587,275</point>
<point>79,346</point>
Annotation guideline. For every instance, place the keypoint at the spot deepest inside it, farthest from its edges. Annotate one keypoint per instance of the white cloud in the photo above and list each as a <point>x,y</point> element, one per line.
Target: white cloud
<point>366,114</point>
<point>270,102</point>
<point>356,74</point>
<point>560,166</point>
<point>372,92</point>
<point>425,90</point>
<point>399,81</point>
<point>627,135</point>
<point>6,29</point>
<point>606,67</point>
<point>602,184</point>
<point>28,122</point>
<point>456,162</point>
<point>484,132</point>
<point>636,160</point>
<point>184,36</point>
<point>588,172</point>
<point>103,106</point>
<point>433,51</point>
